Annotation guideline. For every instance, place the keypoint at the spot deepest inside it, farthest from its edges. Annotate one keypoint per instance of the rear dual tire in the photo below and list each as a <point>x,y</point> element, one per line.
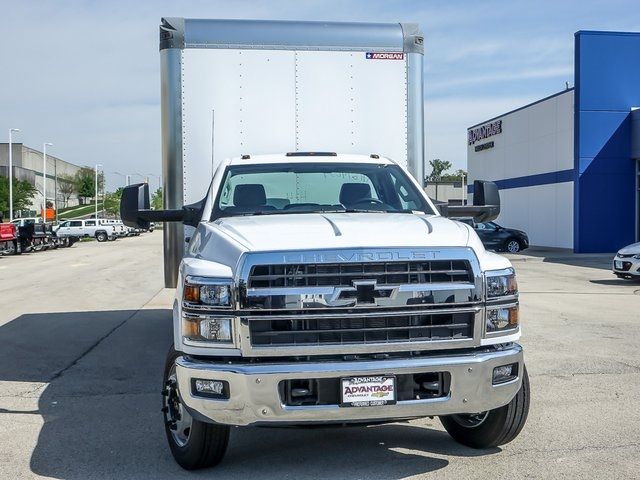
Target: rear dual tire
<point>101,237</point>
<point>494,427</point>
<point>194,444</point>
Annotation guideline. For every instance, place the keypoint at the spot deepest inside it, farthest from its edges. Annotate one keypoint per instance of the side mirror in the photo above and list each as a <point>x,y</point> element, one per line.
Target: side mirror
<point>135,199</point>
<point>135,212</point>
<point>486,193</point>
<point>486,204</point>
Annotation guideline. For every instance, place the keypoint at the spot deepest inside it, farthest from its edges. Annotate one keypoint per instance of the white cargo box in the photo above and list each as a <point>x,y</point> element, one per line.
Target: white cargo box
<point>232,87</point>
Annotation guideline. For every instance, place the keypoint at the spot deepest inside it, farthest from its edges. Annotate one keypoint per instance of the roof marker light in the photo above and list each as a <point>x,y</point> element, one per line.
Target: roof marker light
<point>312,154</point>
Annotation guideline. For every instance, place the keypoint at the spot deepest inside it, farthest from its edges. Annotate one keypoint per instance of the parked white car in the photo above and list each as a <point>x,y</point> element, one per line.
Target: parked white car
<point>86,228</point>
<point>626,263</point>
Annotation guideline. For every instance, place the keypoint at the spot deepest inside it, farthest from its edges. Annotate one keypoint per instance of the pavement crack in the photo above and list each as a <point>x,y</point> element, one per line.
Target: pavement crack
<point>578,449</point>
<point>61,372</point>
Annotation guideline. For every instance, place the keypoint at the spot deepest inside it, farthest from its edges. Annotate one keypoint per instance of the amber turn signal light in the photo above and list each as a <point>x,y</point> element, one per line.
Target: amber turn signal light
<point>191,293</point>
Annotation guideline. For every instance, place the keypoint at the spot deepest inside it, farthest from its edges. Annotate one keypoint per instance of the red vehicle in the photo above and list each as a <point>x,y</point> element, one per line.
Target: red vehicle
<point>8,239</point>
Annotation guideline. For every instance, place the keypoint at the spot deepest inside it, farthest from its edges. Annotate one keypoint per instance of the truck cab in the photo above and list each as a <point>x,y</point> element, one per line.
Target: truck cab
<point>326,288</point>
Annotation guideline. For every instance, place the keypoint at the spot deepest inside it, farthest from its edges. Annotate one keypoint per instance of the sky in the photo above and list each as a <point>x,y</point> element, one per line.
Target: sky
<point>84,75</point>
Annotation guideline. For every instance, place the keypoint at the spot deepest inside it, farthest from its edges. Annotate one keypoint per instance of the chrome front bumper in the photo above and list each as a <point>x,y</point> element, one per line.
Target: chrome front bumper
<point>255,399</point>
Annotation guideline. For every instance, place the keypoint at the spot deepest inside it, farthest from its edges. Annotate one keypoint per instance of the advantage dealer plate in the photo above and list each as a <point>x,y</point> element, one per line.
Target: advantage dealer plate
<point>368,391</point>
<point>618,265</point>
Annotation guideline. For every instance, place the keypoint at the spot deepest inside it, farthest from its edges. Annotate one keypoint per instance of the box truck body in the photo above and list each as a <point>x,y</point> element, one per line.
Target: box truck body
<point>233,87</point>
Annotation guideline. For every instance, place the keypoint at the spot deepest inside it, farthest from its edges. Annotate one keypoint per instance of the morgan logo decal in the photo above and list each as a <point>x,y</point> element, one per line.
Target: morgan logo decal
<point>384,56</point>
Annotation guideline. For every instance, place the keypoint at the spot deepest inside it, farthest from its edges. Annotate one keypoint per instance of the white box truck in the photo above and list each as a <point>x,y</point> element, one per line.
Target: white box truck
<point>316,282</point>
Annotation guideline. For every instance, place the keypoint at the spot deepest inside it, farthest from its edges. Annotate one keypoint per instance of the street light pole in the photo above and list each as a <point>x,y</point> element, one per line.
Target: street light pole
<point>97,165</point>
<point>159,177</point>
<point>127,177</point>
<point>44,181</point>
<point>11,130</point>
<point>464,193</point>
<point>55,187</point>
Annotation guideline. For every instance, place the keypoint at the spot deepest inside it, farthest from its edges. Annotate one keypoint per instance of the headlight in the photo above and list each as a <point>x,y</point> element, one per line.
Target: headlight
<point>501,307</point>
<point>637,257</point>
<point>207,291</point>
<point>501,283</point>
<point>503,318</point>
<point>204,328</point>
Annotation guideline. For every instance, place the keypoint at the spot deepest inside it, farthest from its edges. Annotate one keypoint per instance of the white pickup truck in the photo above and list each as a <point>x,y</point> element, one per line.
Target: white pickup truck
<point>87,228</point>
<point>314,287</point>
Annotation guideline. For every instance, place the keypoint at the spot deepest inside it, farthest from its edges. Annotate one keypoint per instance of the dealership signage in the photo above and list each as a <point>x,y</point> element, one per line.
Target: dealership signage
<point>485,131</point>
<point>484,146</point>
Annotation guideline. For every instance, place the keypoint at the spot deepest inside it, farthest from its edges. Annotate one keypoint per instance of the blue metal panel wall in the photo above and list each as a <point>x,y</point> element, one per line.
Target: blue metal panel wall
<point>607,85</point>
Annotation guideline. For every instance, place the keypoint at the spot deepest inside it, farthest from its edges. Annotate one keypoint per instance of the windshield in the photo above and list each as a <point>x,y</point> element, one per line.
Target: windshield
<point>316,187</point>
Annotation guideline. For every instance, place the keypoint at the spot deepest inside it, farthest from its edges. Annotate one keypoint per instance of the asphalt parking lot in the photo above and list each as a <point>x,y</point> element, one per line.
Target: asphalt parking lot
<point>84,332</point>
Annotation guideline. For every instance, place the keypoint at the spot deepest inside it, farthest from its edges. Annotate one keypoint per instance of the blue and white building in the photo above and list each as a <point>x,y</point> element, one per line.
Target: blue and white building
<point>568,165</point>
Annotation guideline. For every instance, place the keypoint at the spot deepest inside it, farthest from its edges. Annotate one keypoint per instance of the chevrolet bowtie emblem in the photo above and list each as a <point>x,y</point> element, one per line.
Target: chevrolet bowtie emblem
<point>365,292</point>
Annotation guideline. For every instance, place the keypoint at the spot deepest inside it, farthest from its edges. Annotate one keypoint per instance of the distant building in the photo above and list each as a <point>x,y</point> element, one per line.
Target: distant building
<point>568,166</point>
<point>27,166</point>
<point>450,192</point>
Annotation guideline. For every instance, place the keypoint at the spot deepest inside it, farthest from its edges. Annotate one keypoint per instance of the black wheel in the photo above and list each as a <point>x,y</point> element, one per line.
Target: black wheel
<point>493,427</point>
<point>194,444</point>
<point>512,246</point>
<point>101,237</point>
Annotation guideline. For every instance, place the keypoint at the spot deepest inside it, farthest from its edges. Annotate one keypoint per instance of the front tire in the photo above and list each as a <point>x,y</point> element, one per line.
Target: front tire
<point>194,444</point>
<point>494,427</point>
<point>512,246</point>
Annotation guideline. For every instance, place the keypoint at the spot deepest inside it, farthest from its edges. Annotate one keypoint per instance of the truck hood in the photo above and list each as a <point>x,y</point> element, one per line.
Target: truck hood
<point>339,230</point>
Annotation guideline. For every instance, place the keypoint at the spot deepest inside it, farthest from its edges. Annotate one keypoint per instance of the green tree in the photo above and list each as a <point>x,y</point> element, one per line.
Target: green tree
<point>23,194</point>
<point>66,186</point>
<point>438,167</point>
<point>454,177</point>
<point>112,202</point>
<point>85,182</point>
<point>156,200</point>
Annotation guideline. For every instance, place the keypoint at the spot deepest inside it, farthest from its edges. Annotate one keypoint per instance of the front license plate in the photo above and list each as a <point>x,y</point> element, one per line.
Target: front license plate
<point>618,265</point>
<point>368,391</point>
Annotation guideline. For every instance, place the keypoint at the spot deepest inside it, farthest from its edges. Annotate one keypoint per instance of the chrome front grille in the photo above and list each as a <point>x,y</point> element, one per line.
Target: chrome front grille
<point>359,301</point>
<point>361,329</point>
<point>344,274</point>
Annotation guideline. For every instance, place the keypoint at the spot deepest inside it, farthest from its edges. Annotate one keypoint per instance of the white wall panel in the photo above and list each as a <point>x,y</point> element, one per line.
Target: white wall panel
<point>238,102</point>
<point>535,140</point>
<point>234,102</point>
<point>545,212</point>
<point>347,103</point>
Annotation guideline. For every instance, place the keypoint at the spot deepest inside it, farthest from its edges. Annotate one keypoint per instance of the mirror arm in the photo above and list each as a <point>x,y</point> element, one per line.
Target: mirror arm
<point>161,215</point>
<point>479,213</point>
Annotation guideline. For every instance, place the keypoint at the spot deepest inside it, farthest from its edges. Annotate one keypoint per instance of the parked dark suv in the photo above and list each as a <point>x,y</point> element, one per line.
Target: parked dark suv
<point>496,237</point>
